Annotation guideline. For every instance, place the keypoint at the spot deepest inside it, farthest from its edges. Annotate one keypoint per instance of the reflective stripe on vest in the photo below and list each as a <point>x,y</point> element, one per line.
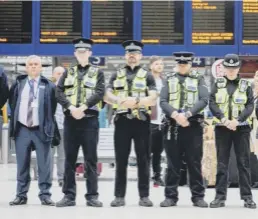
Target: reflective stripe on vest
<point>138,89</point>
<point>190,88</point>
<point>239,99</point>
<point>88,86</point>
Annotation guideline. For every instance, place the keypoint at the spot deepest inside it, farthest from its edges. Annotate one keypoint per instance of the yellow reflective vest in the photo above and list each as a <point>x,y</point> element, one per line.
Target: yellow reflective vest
<point>87,85</point>
<point>190,89</point>
<point>233,105</point>
<point>139,88</point>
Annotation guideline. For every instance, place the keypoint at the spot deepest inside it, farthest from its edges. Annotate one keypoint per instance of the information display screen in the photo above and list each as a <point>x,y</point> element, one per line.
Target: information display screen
<point>15,22</point>
<point>60,21</point>
<point>250,18</point>
<point>111,21</point>
<point>163,22</point>
<point>213,22</point>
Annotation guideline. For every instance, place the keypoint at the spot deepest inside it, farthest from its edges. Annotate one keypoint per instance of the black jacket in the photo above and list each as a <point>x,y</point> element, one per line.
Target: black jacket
<point>47,108</point>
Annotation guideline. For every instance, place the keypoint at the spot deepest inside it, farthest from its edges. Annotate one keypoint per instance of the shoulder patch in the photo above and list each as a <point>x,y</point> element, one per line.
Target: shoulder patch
<point>221,82</point>
<point>93,70</point>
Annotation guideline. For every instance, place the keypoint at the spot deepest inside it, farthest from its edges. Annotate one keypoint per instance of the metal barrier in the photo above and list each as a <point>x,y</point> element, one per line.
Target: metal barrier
<point>4,150</point>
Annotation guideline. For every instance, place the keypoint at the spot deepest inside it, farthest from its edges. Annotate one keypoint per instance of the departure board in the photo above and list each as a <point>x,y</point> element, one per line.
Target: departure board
<point>250,18</point>
<point>163,22</point>
<point>111,21</point>
<point>60,21</point>
<point>15,21</point>
<point>213,22</point>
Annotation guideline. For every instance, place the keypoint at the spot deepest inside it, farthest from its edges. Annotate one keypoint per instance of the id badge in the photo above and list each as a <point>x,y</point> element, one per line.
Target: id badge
<point>34,104</point>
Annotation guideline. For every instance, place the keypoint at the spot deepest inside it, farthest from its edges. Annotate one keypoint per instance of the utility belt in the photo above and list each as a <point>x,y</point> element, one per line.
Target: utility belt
<point>170,124</point>
<point>134,114</point>
<point>88,113</point>
<point>197,118</point>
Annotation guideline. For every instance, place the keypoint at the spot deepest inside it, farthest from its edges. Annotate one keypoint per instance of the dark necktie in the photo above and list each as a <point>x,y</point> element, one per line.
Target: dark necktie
<point>30,108</point>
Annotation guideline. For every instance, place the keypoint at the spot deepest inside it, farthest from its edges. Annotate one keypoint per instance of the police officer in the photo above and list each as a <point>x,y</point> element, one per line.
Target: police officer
<point>80,91</point>
<point>4,90</point>
<point>132,91</point>
<point>232,103</point>
<point>183,99</point>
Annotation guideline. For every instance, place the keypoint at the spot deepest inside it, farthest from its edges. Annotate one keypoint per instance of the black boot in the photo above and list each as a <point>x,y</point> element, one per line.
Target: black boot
<point>65,202</point>
<point>118,202</point>
<point>217,203</point>
<point>145,202</point>
<point>249,203</point>
<point>200,203</point>
<point>94,202</point>
<point>19,201</point>
<point>168,202</point>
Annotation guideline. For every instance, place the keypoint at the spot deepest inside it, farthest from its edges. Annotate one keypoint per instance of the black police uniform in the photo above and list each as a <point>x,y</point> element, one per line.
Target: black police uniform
<point>128,129</point>
<point>4,90</point>
<point>184,140</point>
<point>240,139</point>
<point>83,132</point>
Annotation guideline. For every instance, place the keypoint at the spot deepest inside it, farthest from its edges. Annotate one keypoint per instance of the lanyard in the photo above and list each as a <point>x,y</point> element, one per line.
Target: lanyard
<point>37,90</point>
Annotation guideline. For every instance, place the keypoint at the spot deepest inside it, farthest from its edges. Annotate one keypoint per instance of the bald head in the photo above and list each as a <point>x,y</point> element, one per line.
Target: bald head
<point>58,72</point>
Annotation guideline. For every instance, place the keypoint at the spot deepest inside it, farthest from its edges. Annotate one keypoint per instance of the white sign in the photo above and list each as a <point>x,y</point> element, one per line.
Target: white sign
<point>217,69</point>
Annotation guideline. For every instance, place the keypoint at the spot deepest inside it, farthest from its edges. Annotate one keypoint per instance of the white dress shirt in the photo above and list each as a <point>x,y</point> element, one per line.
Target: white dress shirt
<point>23,110</point>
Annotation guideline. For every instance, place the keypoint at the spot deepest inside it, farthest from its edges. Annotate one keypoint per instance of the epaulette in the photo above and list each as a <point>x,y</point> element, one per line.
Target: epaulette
<point>121,72</point>
<point>194,74</point>
<point>170,74</point>
<point>93,70</point>
<point>72,69</point>
<point>243,85</point>
<point>221,82</point>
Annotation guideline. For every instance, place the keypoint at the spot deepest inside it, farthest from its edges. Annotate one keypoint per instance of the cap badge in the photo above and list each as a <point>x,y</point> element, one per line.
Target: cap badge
<point>231,61</point>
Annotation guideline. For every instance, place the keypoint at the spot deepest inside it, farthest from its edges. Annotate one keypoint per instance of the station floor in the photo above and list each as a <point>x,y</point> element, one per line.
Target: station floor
<point>184,210</point>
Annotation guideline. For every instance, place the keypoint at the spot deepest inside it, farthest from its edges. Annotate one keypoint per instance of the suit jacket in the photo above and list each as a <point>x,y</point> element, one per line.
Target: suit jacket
<point>47,106</point>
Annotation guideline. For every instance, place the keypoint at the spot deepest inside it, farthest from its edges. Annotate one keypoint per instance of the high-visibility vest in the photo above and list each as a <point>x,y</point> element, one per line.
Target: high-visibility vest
<point>139,88</point>
<point>190,87</point>
<point>233,105</point>
<point>87,85</point>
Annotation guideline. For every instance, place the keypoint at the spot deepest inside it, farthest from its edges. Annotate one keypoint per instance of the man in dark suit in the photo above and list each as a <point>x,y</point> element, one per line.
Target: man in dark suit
<point>33,105</point>
<point>4,90</point>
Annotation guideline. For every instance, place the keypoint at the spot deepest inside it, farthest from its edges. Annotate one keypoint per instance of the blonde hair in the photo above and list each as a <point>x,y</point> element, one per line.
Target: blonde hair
<point>154,59</point>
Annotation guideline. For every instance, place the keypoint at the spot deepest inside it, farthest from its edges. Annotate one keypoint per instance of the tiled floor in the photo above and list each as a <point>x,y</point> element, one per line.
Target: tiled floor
<point>33,210</point>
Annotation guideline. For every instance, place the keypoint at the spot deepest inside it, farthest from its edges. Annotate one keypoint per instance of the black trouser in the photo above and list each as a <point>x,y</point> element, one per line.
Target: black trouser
<point>156,149</point>
<point>125,131</point>
<point>189,141</point>
<point>83,132</point>
<point>241,141</point>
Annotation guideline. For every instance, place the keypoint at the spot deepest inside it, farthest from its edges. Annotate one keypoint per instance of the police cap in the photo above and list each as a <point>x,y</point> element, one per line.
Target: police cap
<point>82,44</point>
<point>132,46</point>
<point>183,57</point>
<point>231,61</point>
